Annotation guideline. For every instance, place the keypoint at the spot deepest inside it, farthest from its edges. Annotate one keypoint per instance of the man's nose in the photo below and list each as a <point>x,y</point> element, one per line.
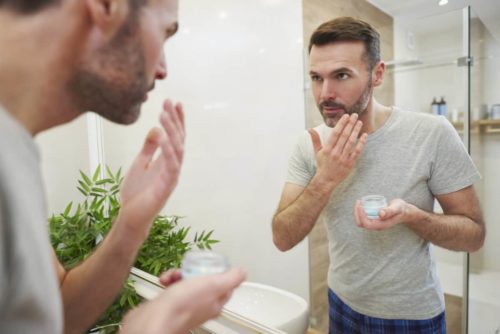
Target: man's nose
<point>161,68</point>
<point>328,91</point>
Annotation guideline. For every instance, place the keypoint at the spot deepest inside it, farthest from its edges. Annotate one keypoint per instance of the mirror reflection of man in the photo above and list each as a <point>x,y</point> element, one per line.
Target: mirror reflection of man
<point>382,274</point>
<point>58,59</point>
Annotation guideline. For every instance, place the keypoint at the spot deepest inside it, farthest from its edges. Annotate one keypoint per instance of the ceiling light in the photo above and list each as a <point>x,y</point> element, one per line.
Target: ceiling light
<point>443,2</point>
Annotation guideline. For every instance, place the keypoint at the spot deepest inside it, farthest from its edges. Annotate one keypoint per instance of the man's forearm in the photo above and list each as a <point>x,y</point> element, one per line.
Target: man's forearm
<point>294,222</point>
<point>91,287</point>
<point>453,232</point>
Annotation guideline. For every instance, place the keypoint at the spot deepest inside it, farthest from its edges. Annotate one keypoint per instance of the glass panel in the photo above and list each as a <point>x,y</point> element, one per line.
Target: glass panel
<point>484,276</point>
<point>426,69</point>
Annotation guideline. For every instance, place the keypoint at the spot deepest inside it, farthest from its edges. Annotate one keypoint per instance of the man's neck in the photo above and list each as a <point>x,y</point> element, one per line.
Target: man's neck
<point>375,116</point>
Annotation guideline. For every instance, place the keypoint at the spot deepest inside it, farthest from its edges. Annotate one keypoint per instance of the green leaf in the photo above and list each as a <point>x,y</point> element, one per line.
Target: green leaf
<point>84,193</point>
<point>97,173</point>
<point>103,181</point>
<point>68,209</point>
<point>86,178</point>
<point>110,174</point>
<point>84,185</point>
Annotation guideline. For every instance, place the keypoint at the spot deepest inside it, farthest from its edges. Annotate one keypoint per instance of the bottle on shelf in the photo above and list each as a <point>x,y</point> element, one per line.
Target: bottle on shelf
<point>442,107</point>
<point>434,107</point>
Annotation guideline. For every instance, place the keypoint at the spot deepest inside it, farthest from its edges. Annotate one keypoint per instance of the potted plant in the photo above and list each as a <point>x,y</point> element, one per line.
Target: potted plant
<point>76,232</point>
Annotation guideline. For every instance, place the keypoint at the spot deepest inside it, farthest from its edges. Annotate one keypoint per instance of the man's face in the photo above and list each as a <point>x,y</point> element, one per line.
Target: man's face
<point>114,79</point>
<point>341,81</point>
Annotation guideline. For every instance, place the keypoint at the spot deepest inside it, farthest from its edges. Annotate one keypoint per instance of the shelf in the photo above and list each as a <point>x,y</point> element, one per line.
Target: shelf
<point>484,126</point>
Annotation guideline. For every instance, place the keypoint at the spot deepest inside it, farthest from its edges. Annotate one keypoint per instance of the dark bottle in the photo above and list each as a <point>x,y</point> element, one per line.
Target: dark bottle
<point>434,107</point>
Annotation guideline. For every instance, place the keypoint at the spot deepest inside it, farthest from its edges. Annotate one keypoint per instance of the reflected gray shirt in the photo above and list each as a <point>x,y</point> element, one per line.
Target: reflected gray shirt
<point>389,274</point>
<point>30,299</point>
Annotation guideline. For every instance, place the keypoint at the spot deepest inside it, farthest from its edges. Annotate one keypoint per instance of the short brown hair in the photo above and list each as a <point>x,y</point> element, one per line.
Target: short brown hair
<point>349,29</point>
<point>32,6</point>
<point>27,6</point>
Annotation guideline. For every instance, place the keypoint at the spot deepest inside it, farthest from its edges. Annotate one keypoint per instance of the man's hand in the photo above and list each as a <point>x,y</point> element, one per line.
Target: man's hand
<point>398,211</point>
<point>170,277</point>
<point>184,305</point>
<point>337,157</point>
<point>149,182</point>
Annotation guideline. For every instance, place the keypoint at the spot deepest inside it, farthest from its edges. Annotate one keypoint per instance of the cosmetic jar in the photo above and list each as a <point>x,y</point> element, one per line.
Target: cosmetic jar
<point>372,204</point>
<point>203,262</point>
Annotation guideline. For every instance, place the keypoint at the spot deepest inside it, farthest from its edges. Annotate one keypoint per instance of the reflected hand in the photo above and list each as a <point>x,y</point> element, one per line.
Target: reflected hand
<point>184,305</point>
<point>149,182</point>
<point>397,212</point>
<point>337,157</point>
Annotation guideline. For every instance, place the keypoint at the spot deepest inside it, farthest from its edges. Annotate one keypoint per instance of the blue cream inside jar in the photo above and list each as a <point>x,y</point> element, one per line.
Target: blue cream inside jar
<point>372,204</point>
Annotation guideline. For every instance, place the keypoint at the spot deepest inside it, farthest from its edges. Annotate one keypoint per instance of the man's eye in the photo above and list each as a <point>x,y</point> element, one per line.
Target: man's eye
<point>342,76</point>
<point>315,78</point>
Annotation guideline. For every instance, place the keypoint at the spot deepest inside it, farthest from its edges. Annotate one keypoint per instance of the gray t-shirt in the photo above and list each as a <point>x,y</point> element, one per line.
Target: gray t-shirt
<point>389,274</point>
<point>30,299</point>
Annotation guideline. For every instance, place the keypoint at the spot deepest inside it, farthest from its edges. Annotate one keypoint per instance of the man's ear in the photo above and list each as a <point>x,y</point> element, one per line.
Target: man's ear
<point>107,15</point>
<point>378,73</point>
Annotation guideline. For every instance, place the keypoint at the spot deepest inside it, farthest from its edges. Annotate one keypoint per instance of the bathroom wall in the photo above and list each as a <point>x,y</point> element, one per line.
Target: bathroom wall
<point>315,13</point>
<point>237,68</point>
<point>61,159</point>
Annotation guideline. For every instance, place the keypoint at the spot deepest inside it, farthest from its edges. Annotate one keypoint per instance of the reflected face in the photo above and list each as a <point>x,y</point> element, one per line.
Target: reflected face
<point>114,80</point>
<point>341,81</point>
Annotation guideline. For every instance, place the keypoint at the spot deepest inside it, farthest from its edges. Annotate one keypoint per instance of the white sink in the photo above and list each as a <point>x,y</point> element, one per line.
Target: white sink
<point>270,306</point>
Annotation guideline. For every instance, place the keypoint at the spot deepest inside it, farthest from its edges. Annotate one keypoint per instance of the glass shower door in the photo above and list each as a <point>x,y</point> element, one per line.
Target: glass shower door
<point>484,265</point>
<point>431,76</point>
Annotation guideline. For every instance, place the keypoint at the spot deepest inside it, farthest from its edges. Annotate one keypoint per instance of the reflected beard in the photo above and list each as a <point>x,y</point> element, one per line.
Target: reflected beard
<point>359,107</point>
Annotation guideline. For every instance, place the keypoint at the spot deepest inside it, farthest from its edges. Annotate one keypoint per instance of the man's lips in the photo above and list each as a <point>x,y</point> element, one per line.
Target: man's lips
<point>332,111</point>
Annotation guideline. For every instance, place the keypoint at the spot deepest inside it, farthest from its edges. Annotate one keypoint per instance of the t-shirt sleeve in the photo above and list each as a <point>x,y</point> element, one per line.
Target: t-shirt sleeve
<point>452,168</point>
<point>300,166</point>
<point>3,257</point>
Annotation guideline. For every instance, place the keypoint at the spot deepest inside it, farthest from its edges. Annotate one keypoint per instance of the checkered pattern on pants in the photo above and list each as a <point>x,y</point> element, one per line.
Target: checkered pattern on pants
<point>344,320</point>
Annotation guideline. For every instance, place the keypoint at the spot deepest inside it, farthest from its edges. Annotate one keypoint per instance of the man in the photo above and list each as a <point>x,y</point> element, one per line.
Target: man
<point>382,275</point>
<point>58,59</point>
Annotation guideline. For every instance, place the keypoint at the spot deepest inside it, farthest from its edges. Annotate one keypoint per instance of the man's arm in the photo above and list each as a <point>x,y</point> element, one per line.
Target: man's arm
<point>460,228</point>
<point>300,207</point>
<point>298,210</point>
<point>88,289</point>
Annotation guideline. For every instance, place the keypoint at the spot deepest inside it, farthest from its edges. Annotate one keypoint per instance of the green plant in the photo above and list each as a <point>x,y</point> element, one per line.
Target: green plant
<point>77,231</point>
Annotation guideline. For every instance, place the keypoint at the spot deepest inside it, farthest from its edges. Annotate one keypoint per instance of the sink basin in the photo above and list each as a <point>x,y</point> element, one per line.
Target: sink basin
<point>270,306</point>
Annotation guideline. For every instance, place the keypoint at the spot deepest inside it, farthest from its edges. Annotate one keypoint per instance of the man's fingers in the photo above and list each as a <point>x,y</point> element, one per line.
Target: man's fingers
<point>359,147</point>
<point>174,137</point>
<point>346,134</point>
<point>170,276</point>
<point>151,143</point>
<point>337,130</point>
<point>350,145</point>
<point>316,141</point>
<point>229,280</point>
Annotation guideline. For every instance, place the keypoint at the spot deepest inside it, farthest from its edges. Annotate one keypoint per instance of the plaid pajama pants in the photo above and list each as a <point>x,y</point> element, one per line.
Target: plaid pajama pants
<point>344,320</point>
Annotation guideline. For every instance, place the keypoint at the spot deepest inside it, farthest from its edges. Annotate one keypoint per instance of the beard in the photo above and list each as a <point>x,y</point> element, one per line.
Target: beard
<point>113,82</point>
<point>359,107</point>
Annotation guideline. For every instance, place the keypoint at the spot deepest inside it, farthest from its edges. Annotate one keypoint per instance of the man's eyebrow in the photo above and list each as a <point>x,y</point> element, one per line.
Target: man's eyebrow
<point>172,29</point>
<point>338,70</point>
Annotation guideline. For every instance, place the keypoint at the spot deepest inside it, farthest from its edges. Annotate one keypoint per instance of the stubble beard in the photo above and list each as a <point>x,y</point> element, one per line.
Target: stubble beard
<point>359,107</point>
<point>115,87</point>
